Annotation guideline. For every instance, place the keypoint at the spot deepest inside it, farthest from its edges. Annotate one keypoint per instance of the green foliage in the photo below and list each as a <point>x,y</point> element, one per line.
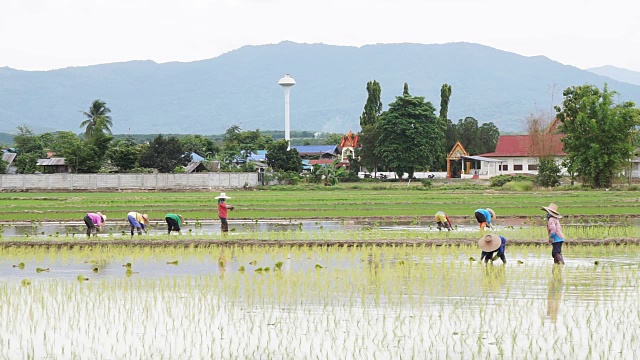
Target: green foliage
<point>518,186</point>
<point>500,180</point>
<point>82,157</point>
<point>97,119</point>
<point>333,139</point>
<point>332,173</point>
<point>27,163</point>
<point>200,145</point>
<point>281,159</point>
<point>124,154</point>
<point>368,140</point>
<point>476,140</point>
<point>599,133</point>
<point>3,166</point>
<point>548,172</point>
<point>164,154</point>
<point>373,106</point>
<point>288,177</point>
<point>427,183</point>
<point>244,143</point>
<point>445,96</point>
<point>410,136</point>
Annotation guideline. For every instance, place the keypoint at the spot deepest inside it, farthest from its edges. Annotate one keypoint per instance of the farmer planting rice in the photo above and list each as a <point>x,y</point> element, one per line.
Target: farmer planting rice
<point>138,222</point>
<point>173,222</point>
<point>222,211</point>
<point>442,221</point>
<point>484,217</point>
<point>554,229</point>
<point>94,222</point>
<point>490,244</point>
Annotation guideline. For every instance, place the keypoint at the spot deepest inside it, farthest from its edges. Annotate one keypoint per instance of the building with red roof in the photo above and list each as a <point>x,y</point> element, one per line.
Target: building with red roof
<point>518,154</point>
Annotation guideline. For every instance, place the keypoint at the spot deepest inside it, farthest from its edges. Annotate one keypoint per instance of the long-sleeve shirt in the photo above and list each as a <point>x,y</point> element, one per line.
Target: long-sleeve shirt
<point>487,215</point>
<point>503,244</point>
<point>555,230</point>
<point>174,217</point>
<point>222,210</point>
<point>138,217</point>
<point>95,218</point>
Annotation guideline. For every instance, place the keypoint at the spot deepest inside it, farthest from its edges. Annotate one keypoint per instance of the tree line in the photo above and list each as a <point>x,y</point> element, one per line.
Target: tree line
<point>98,150</point>
<point>410,137</point>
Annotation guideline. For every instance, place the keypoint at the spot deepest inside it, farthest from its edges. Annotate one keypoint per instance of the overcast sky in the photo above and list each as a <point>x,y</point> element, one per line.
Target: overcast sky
<point>50,34</point>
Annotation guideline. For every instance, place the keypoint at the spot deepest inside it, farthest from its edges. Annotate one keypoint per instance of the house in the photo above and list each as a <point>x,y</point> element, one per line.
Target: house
<point>317,151</point>
<point>9,157</point>
<point>53,165</point>
<point>518,154</point>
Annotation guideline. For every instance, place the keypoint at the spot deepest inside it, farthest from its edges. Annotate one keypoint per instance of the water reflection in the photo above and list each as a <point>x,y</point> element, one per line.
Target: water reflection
<point>555,293</point>
<point>493,278</point>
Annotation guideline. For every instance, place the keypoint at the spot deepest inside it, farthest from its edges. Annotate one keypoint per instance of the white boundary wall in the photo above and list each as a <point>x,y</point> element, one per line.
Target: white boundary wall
<point>209,181</point>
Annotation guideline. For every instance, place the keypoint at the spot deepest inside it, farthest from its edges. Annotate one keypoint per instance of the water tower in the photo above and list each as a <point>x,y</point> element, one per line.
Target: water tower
<point>286,82</point>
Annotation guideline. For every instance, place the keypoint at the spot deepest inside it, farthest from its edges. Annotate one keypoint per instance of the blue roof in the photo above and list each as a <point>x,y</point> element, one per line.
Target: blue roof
<point>196,157</point>
<point>315,149</point>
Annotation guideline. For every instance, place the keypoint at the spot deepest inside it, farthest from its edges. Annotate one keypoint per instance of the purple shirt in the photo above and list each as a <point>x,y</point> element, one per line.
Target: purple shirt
<point>95,218</point>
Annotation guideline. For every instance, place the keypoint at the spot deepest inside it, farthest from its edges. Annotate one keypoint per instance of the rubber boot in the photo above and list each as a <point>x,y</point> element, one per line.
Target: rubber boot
<point>560,259</point>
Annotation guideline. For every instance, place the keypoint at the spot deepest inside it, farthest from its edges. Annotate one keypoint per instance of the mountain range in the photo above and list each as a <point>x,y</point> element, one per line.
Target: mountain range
<point>241,88</point>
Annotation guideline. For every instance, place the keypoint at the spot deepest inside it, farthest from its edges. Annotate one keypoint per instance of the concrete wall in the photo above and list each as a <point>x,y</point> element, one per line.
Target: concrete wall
<point>128,181</point>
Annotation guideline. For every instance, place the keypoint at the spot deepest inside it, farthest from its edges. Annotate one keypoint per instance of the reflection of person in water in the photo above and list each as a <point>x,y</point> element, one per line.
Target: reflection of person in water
<point>555,293</point>
<point>493,278</point>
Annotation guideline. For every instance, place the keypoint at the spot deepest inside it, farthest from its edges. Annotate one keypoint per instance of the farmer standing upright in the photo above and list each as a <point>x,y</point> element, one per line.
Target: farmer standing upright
<point>554,229</point>
<point>222,211</point>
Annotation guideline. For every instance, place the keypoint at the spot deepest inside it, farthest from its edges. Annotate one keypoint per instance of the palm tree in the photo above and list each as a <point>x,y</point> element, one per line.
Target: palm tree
<point>97,119</point>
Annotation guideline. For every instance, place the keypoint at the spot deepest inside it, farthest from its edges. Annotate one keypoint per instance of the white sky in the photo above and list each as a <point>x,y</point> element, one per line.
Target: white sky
<point>50,34</point>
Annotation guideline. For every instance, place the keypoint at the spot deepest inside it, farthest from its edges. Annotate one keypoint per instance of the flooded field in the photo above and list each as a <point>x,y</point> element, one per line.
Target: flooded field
<point>325,302</point>
<point>212,227</point>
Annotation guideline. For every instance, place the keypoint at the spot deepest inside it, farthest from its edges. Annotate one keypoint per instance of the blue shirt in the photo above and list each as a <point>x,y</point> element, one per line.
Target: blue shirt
<point>503,244</point>
<point>487,215</point>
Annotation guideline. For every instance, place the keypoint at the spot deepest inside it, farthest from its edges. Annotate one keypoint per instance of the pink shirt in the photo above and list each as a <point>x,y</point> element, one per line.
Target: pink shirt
<point>554,227</point>
<point>95,218</point>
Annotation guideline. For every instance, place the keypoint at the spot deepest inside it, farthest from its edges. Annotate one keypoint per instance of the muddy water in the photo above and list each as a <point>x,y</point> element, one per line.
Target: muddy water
<point>46,229</point>
<point>363,303</point>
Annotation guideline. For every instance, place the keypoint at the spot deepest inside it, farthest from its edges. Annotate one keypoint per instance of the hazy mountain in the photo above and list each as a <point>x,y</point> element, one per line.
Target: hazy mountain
<point>241,87</point>
<point>616,73</point>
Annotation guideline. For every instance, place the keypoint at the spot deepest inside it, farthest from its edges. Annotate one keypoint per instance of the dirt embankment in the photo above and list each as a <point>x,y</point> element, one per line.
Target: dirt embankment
<point>305,243</point>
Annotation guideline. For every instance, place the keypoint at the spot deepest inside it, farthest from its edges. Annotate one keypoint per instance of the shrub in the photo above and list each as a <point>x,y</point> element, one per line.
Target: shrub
<point>518,186</point>
<point>548,172</point>
<point>500,180</point>
<point>427,183</point>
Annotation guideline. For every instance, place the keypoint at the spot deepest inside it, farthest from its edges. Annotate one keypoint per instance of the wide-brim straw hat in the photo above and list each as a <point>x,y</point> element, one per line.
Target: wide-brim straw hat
<point>552,209</point>
<point>145,219</point>
<point>489,242</point>
<point>104,217</point>
<point>493,213</point>
<point>223,196</point>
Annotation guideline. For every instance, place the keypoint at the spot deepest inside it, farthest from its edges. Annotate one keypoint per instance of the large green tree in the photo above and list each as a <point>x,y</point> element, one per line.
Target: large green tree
<point>373,106</point>
<point>445,96</point>
<point>410,135</point>
<point>97,119</point>
<point>82,157</point>
<point>164,154</point>
<point>125,154</point>
<point>443,123</point>
<point>599,132</point>
<point>368,141</point>
<point>279,158</point>
<point>29,149</point>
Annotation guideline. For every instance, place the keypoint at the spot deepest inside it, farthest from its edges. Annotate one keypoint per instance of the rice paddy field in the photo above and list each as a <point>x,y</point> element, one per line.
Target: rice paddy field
<point>351,302</point>
<point>353,273</point>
